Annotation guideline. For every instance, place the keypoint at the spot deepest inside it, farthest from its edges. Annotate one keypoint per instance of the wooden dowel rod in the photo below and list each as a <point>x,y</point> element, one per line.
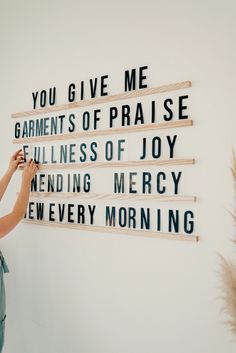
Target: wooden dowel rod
<point>105,99</point>
<point>102,229</point>
<point>96,196</point>
<point>119,164</point>
<point>128,129</point>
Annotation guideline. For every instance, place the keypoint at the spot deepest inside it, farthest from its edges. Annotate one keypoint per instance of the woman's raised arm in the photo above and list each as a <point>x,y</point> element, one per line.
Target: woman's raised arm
<point>16,159</point>
<point>8,222</point>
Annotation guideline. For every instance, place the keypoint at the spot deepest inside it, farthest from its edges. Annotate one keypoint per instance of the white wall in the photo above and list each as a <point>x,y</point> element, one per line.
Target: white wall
<point>71,291</point>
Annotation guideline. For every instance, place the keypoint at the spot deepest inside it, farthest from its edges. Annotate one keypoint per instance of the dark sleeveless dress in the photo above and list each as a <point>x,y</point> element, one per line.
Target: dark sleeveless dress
<point>3,269</point>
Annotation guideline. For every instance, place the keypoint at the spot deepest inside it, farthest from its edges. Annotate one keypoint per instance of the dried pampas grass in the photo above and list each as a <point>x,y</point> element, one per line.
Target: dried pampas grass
<point>228,272</point>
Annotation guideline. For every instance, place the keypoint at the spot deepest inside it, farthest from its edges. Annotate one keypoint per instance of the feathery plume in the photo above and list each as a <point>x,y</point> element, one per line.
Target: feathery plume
<point>228,271</point>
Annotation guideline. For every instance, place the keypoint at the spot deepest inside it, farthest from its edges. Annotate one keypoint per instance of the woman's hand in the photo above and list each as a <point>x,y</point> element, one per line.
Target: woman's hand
<point>16,159</point>
<point>8,222</point>
<point>30,170</point>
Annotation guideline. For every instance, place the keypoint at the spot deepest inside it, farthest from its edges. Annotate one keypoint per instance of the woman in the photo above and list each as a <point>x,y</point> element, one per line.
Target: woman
<point>8,222</point>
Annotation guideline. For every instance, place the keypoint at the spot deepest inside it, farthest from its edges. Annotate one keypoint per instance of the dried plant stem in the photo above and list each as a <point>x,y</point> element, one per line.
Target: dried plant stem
<point>228,271</point>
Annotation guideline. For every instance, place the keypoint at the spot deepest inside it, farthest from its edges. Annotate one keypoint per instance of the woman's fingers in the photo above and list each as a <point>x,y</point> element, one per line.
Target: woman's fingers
<point>28,163</point>
<point>33,166</point>
<point>20,159</point>
<point>15,154</point>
